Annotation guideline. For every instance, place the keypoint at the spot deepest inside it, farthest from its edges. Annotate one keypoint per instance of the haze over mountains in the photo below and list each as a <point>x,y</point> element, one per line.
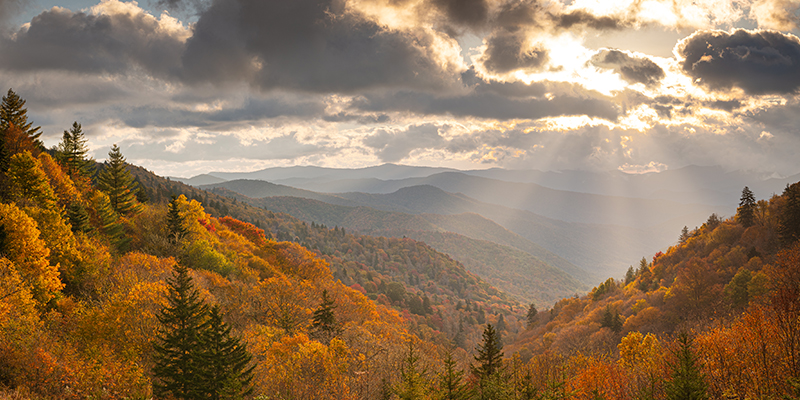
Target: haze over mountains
<point>572,226</point>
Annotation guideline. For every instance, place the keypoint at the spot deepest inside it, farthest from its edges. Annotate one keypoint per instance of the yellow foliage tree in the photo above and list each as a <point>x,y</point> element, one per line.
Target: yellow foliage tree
<point>60,182</point>
<point>28,252</point>
<point>28,184</point>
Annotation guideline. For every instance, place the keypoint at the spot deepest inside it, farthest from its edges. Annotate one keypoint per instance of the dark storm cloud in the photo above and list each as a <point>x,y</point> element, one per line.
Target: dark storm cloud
<point>471,13</point>
<point>393,146</point>
<point>59,39</point>
<point>584,18</point>
<point>632,69</point>
<point>488,105</point>
<point>759,62</point>
<point>306,45</point>
<point>10,8</point>
<point>505,53</point>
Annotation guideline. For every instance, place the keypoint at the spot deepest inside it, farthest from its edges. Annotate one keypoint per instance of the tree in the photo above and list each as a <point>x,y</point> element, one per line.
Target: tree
<point>451,385</point>
<point>178,358</point>
<point>490,354</point>
<point>412,385</point>
<point>13,112</point>
<point>611,320</point>
<point>28,184</point>
<point>72,151</point>
<point>684,234</point>
<point>532,313</point>
<point>324,321</point>
<point>175,221</point>
<point>226,370</point>
<point>687,381</point>
<point>789,217</point>
<point>746,213</point>
<point>117,182</point>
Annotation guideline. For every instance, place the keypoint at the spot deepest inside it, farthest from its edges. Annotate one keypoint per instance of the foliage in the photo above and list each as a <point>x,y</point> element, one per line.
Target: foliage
<point>72,152</point>
<point>115,180</point>
<point>13,113</point>
<point>745,214</point>
<point>687,381</point>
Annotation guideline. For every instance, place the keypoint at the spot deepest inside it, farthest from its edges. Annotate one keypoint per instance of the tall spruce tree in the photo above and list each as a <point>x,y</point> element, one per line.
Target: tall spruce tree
<point>178,368</point>
<point>789,217</point>
<point>175,228</point>
<point>13,112</point>
<point>687,381</point>
<point>532,313</point>
<point>225,363</point>
<point>413,385</point>
<point>490,354</point>
<point>746,213</point>
<point>72,151</point>
<point>324,323</point>
<point>451,382</point>
<point>117,182</point>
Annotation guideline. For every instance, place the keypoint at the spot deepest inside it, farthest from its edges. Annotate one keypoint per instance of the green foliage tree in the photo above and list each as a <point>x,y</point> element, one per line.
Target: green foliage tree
<point>789,217</point>
<point>746,213</point>
<point>324,323</point>
<point>78,217</point>
<point>412,385</point>
<point>117,182</point>
<point>611,320</point>
<point>684,234</point>
<point>13,112</point>
<point>737,289</point>
<point>178,368</point>
<point>630,275</point>
<point>489,370</point>
<point>225,363</point>
<point>451,382</point>
<point>28,184</point>
<point>532,313</point>
<point>687,381</point>
<point>175,221</point>
<point>72,151</point>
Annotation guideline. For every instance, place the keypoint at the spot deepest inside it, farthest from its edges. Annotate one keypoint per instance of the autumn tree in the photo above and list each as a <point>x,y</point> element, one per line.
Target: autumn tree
<point>117,182</point>
<point>14,113</point>
<point>746,213</point>
<point>226,372</point>
<point>72,151</point>
<point>28,184</point>
<point>178,357</point>
<point>687,381</point>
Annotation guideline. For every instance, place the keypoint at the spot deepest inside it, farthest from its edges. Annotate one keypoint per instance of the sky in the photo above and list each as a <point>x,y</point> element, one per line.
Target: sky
<point>186,87</point>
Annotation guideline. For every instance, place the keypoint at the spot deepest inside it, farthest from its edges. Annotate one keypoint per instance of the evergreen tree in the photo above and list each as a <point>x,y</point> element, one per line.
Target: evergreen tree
<point>630,275</point>
<point>789,217</point>
<point>746,213</point>
<point>72,152</point>
<point>324,321</point>
<point>226,372</point>
<point>611,320</point>
<point>451,382</point>
<point>118,183</point>
<point>490,354</point>
<point>684,234</point>
<point>687,381</point>
<point>412,385</point>
<point>13,112</point>
<point>532,313</point>
<point>175,221</point>
<point>78,217</point>
<point>178,361</point>
<point>28,183</point>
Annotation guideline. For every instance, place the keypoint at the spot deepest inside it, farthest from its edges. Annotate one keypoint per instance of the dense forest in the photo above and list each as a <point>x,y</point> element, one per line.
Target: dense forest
<point>118,284</point>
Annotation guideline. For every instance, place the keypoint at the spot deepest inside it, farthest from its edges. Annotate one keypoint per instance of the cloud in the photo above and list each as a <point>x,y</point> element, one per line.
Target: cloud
<point>775,14</point>
<point>113,38</point>
<point>632,68</point>
<point>758,62</point>
<point>650,167</point>
<point>488,105</point>
<point>10,8</point>
<point>506,52</point>
<point>395,145</point>
<point>309,45</point>
<point>471,13</point>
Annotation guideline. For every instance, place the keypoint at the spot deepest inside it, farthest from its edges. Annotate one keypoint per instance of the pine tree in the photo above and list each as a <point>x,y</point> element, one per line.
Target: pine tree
<point>532,313</point>
<point>28,183</point>
<point>412,385</point>
<point>178,361</point>
<point>78,217</point>
<point>684,234</point>
<point>118,183</point>
<point>789,217</point>
<point>490,354</point>
<point>175,221</point>
<point>324,322</point>
<point>13,112</point>
<point>72,151</point>
<point>451,382</point>
<point>226,372</point>
<point>746,213</point>
<point>687,381</point>
<point>630,275</point>
<point>611,320</point>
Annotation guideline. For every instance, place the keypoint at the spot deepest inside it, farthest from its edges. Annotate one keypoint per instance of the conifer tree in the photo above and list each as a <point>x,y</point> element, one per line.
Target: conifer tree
<point>532,313</point>
<point>451,382</point>
<point>789,217</point>
<point>490,354</point>
<point>118,183</point>
<point>72,151</point>
<point>175,221</point>
<point>687,381</point>
<point>28,184</point>
<point>630,275</point>
<point>78,217</point>
<point>324,321</point>
<point>178,365</point>
<point>226,372</point>
<point>13,112</point>
<point>412,385</point>
<point>684,234</point>
<point>746,213</point>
